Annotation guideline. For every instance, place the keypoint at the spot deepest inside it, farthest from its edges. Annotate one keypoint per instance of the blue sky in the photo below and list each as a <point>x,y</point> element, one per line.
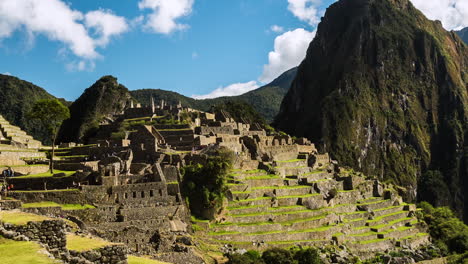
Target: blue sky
<point>195,47</point>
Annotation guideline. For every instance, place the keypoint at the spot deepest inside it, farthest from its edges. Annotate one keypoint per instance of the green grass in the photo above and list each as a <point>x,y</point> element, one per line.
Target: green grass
<point>252,200</point>
<point>79,243</point>
<point>223,233</point>
<point>143,260</point>
<point>366,242</point>
<point>18,252</point>
<point>264,177</point>
<point>20,218</point>
<point>391,223</point>
<point>46,174</point>
<point>312,230</point>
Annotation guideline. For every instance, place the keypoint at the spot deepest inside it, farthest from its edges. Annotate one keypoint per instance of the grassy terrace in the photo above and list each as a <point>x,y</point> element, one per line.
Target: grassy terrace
<point>380,218</point>
<point>286,223</point>
<point>263,177</point>
<point>79,243</point>
<point>143,260</point>
<point>46,174</point>
<point>17,252</point>
<point>273,213</point>
<point>63,206</point>
<point>20,218</point>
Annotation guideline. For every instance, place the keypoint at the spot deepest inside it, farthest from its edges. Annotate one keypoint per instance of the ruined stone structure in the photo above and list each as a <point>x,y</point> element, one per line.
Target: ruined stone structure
<point>282,192</point>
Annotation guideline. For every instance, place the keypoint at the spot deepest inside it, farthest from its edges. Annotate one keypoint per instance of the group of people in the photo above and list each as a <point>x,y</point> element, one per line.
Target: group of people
<point>8,173</point>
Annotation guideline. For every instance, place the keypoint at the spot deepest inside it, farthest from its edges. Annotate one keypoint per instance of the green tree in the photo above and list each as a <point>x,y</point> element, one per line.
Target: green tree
<point>51,113</point>
<point>307,256</point>
<point>278,256</point>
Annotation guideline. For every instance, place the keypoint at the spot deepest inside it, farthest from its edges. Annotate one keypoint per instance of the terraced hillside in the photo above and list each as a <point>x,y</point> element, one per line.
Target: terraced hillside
<point>295,204</point>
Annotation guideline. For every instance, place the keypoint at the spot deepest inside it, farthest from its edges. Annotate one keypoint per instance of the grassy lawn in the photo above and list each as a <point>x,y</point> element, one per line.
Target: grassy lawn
<point>79,243</point>
<point>143,260</point>
<point>54,204</point>
<point>46,174</point>
<point>20,218</point>
<point>16,252</point>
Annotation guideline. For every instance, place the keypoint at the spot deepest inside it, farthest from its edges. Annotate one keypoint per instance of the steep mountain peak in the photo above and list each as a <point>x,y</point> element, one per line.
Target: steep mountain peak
<point>105,98</point>
<point>384,90</point>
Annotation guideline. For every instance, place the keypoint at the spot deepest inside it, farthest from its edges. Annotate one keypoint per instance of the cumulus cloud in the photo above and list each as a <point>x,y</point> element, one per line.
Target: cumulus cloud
<point>277,29</point>
<point>106,25</point>
<point>306,10</point>
<point>231,90</point>
<point>289,50</point>
<point>59,22</point>
<point>452,13</point>
<point>165,13</point>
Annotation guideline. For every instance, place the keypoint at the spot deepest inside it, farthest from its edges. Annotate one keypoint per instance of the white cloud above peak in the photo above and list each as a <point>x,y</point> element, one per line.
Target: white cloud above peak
<point>277,29</point>
<point>165,14</point>
<point>452,13</point>
<point>289,50</point>
<point>306,10</point>
<point>231,90</point>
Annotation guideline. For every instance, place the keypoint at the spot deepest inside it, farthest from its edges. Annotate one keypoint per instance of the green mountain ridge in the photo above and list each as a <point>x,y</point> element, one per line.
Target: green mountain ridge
<point>384,90</point>
<point>17,97</point>
<point>463,34</point>
<point>265,100</point>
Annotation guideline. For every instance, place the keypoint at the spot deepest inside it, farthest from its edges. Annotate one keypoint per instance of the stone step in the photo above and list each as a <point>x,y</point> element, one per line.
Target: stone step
<point>286,171</point>
<point>280,191</point>
<point>260,209</point>
<point>388,210</point>
<point>395,223</point>
<point>263,181</point>
<point>322,233</point>
<point>388,217</point>
<point>260,246</point>
<point>377,204</point>
<point>273,216</point>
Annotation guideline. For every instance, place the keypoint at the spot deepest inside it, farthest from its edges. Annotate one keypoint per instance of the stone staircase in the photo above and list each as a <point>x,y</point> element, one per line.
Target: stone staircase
<point>17,149</point>
<point>296,205</point>
<point>14,134</point>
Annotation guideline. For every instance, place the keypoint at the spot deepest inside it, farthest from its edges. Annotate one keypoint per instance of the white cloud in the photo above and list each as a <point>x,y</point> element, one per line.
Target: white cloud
<point>231,90</point>
<point>195,55</point>
<point>452,13</point>
<point>165,13</point>
<point>59,22</point>
<point>6,73</point>
<point>106,25</point>
<point>289,50</point>
<point>306,10</point>
<point>277,29</point>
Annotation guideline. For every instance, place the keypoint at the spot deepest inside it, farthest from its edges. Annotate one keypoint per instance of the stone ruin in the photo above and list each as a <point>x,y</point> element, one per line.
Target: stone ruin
<point>282,191</point>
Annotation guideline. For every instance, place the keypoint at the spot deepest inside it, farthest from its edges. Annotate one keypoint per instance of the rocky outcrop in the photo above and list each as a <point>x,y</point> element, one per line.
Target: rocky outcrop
<point>99,102</point>
<point>384,90</point>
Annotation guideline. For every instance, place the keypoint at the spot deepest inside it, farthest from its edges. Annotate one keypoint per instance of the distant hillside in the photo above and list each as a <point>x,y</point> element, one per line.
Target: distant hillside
<point>100,101</point>
<point>463,34</point>
<point>265,100</point>
<point>17,97</point>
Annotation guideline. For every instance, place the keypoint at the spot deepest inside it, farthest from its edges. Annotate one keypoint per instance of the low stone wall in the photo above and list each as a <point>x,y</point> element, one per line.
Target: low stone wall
<point>62,197</point>
<point>115,254</point>
<point>10,204</point>
<point>50,183</point>
<point>49,232</point>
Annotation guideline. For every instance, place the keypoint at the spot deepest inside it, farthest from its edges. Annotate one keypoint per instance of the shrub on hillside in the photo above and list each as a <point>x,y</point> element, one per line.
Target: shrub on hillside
<point>449,233</point>
<point>204,184</point>
<point>278,256</point>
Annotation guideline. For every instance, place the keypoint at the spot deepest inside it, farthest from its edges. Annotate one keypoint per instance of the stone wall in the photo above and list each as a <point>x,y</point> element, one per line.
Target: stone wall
<point>114,254</point>
<point>49,232</point>
<point>49,183</point>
